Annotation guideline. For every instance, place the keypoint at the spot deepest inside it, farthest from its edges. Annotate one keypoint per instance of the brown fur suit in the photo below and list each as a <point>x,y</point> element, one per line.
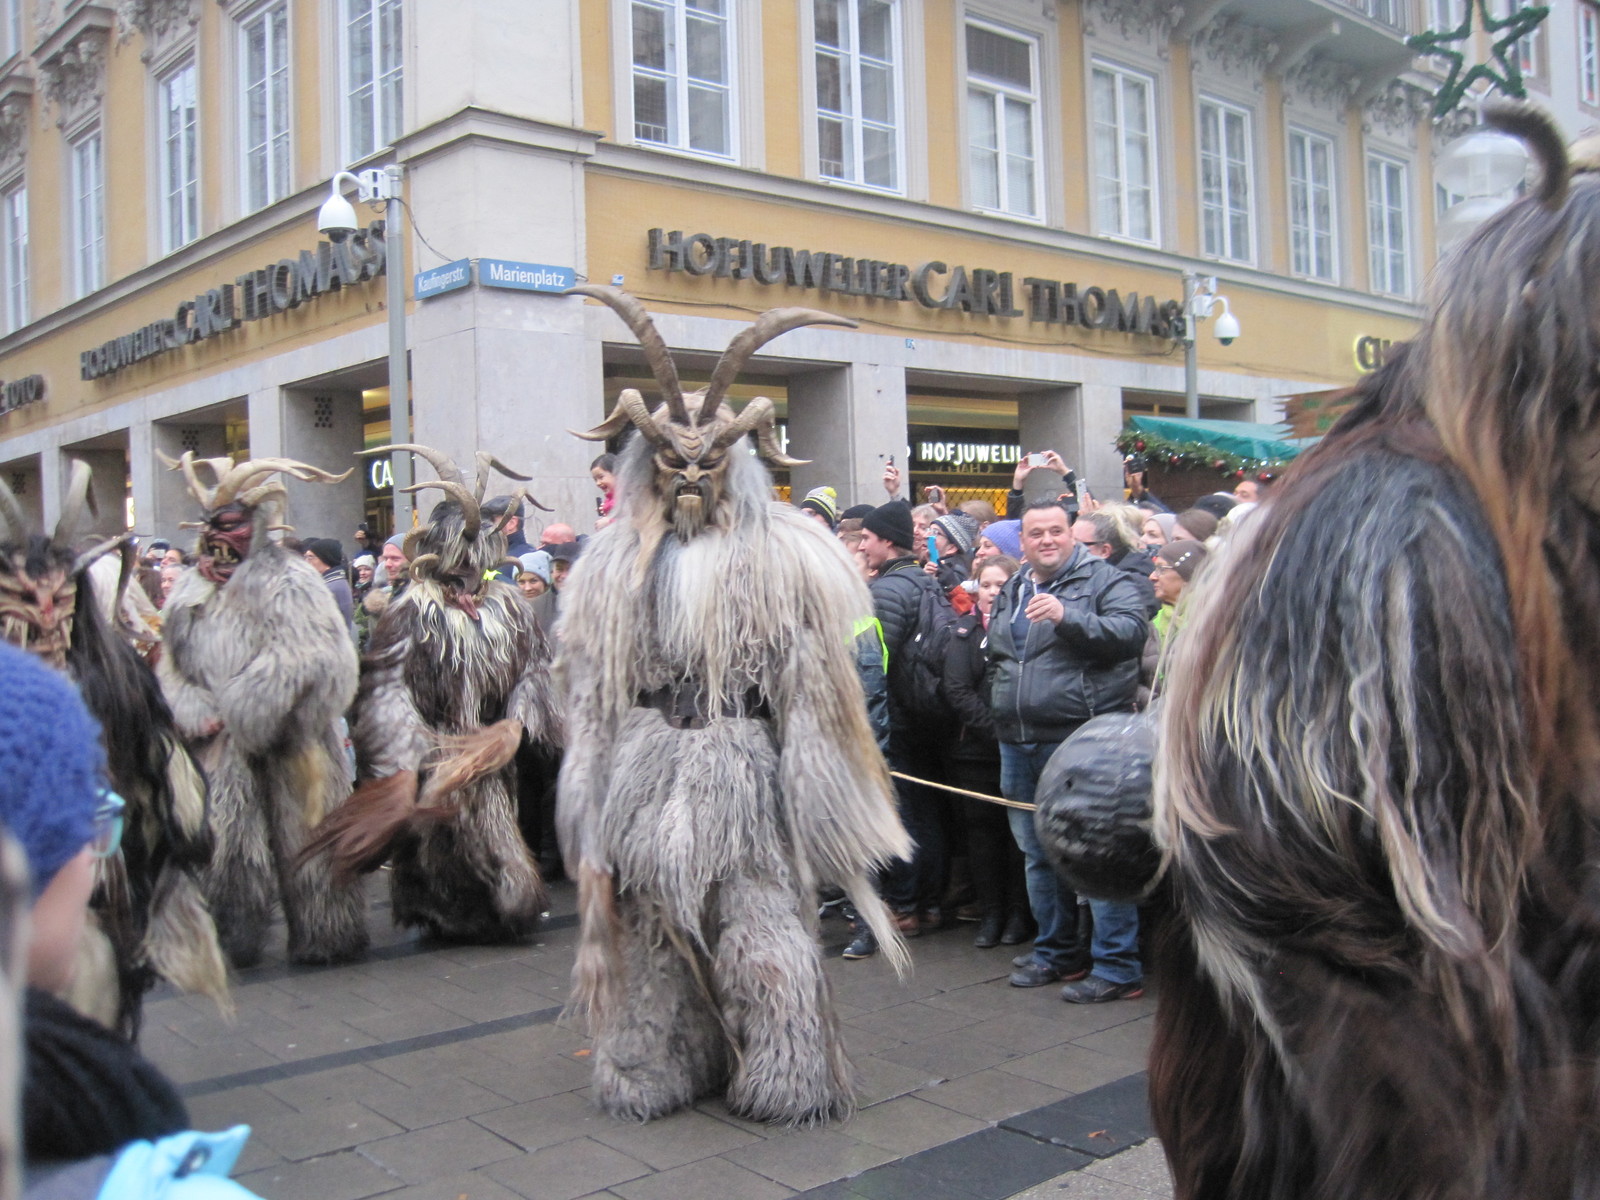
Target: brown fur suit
<point>457,672</point>
<point>258,669</point>
<point>1379,782</point>
<point>719,764</point>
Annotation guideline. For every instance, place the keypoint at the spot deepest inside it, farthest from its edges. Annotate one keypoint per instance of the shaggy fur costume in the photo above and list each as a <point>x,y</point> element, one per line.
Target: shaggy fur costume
<point>259,669</point>
<point>150,918</point>
<point>456,673</point>
<point>719,765</point>
<point>1379,781</point>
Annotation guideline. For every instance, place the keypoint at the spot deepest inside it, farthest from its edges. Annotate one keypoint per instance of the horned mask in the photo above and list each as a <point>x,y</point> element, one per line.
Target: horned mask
<point>236,507</point>
<point>693,435</point>
<point>456,548</point>
<point>39,574</point>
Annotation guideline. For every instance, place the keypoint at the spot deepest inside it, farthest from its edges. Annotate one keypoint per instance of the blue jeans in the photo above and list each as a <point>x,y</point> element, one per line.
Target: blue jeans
<point>1115,946</point>
<point>1055,906</point>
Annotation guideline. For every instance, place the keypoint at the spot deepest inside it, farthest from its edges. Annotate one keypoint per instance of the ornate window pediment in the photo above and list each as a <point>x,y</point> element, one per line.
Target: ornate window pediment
<point>165,25</point>
<point>72,63</point>
<point>16,111</point>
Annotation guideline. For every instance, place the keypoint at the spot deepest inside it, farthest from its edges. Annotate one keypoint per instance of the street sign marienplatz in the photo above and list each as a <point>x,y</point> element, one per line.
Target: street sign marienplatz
<point>524,276</point>
<point>436,281</point>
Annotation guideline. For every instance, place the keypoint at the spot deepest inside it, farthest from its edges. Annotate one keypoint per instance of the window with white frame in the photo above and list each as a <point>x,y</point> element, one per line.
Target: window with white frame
<point>14,242</point>
<point>1003,120</point>
<point>1446,14</point>
<point>1388,240</point>
<point>1123,112</point>
<point>1530,57</point>
<point>86,169</point>
<point>264,105</point>
<point>374,74</point>
<point>683,74</point>
<point>1311,211</point>
<point>1589,53</point>
<point>1225,181</point>
<point>857,45</point>
<point>180,158</point>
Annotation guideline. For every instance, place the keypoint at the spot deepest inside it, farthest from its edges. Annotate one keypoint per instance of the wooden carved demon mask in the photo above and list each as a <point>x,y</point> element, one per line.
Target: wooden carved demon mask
<point>692,435</point>
<point>237,508</point>
<point>39,574</point>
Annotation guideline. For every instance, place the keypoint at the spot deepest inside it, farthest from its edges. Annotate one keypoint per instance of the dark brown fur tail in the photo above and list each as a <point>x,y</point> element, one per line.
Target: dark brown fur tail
<point>1536,128</point>
<point>358,835</point>
<point>464,758</point>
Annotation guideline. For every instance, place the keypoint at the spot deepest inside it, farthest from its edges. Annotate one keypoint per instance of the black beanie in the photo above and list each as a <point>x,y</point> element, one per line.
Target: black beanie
<point>856,512</point>
<point>892,522</point>
<point>328,550</point>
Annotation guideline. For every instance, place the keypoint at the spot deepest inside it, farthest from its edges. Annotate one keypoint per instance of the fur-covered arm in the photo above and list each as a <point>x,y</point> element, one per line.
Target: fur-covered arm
<point>195,713</point>
<point>388,731</point>
<point>533,700</point>
<point>304,675</point>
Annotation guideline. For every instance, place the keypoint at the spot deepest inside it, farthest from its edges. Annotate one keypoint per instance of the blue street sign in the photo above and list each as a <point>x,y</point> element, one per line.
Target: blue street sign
<point>438,280</point>
<point>524,276</point>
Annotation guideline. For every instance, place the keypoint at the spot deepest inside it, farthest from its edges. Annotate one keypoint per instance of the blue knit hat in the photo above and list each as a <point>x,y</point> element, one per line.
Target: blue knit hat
<point>1006,535</point>
<point>52,766</point>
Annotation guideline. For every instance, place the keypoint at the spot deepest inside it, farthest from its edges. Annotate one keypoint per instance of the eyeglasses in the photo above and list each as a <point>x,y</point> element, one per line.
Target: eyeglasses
<point>107,824</point>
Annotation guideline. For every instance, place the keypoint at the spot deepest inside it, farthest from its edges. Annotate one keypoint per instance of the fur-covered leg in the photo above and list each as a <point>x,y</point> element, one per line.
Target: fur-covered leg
<point>775,998</point>
<point>470,878</point>
<point>661,1048</point>
<point>181,943</point>
<point>239,882</point>
<point>327,922</point>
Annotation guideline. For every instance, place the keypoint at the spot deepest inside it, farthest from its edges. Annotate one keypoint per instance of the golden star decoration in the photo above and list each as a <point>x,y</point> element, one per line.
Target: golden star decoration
<point>1511,29</point>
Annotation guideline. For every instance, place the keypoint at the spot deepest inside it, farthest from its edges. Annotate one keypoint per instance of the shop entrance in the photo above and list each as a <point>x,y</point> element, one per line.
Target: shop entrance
<point>965,443</point>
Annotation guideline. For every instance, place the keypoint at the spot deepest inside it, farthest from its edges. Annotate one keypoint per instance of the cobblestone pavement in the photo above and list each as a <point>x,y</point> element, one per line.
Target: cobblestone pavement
<point>445,1072</point>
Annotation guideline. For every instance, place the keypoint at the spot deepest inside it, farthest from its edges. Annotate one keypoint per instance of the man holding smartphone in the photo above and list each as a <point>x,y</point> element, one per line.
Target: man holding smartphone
<point>1065,636</point>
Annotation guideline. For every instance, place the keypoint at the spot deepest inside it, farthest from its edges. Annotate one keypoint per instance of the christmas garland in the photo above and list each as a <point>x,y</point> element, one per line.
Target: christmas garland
<point>1161,452</point>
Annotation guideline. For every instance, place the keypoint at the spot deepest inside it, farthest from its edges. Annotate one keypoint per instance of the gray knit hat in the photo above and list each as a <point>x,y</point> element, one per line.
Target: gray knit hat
<point>960,529</point>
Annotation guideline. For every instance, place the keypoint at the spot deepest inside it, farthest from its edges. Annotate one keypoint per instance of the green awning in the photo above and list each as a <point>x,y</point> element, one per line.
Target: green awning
<point>1259,443</point>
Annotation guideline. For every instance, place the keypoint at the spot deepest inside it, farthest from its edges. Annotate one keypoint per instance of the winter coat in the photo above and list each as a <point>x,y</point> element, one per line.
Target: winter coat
<point>968,684</point>
<point>1137,565</point>
<point>339,584</point>
<point>1087,663</point>
<point>897,602</point>
<point>872,665</point>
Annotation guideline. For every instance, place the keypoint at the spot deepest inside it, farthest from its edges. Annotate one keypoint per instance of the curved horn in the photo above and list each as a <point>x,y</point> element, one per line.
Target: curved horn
<point>459,493</point>
<point>1533,126</point>
<point>437,459</point>
<point>13,522</point>
<point>78,502</point>
<point>630,410</point>
<point>766,327</point>
<point>186,462</point>
<point>244,476</point>
<point>99,550</point>
<point>487,463</point>
<point>757,417</point>
<point>257,496</point>
<point>656,354</point>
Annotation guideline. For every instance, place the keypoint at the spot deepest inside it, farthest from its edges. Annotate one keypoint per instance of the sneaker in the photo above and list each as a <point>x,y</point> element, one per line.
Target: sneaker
<point>1034,974</point>
<point>1022,960</point>
<point>863,945</point>
<point>1095,990</point>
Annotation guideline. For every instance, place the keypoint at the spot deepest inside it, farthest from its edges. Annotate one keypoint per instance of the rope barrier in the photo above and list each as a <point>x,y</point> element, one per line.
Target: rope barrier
<point>945,787</point>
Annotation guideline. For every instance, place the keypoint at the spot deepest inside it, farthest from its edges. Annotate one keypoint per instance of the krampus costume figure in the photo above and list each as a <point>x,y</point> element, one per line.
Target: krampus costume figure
<point>719,762</point>
<point>259,667</point>
<point>1378,782</point>
<point>456,673</point>
<point>147,902</point>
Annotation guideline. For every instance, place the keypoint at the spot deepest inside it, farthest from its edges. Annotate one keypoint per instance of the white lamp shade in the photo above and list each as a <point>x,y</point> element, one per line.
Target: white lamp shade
<point>1459,220</point>
<point>337,213</point>
<point>1483,163</point>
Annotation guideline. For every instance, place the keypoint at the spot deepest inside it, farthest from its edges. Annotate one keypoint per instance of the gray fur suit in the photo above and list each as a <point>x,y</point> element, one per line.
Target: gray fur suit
<point>719,767</point>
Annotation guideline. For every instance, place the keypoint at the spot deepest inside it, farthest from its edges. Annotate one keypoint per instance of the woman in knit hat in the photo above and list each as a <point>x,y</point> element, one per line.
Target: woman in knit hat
<point>1001,537</point>
<point>1157,530</point>
<point>954,536</point>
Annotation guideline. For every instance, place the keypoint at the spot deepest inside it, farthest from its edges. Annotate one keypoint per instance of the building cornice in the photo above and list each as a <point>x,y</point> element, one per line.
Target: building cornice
<point>487,126</point>
<point>679,170</point>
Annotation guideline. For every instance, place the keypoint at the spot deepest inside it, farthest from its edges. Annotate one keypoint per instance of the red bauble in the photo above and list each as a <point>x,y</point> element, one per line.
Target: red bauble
<point>1173,459</point>
<point>1265,477</point>
<point>1138,445</point>
<point>1239,474</point>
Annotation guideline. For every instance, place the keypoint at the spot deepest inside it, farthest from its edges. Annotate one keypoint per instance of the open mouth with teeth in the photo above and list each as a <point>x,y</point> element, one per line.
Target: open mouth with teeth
<point>218,558</point>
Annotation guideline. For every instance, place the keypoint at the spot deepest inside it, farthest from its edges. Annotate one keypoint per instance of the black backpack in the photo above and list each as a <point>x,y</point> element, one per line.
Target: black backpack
<point>922,657</point>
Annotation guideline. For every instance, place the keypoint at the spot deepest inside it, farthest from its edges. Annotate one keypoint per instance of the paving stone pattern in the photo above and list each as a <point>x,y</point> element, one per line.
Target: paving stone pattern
<point>447,1073</point>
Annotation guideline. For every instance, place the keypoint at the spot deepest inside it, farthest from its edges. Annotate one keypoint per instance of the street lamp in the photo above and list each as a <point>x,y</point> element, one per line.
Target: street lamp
<point>337,219</point>
<point>1200,299</point>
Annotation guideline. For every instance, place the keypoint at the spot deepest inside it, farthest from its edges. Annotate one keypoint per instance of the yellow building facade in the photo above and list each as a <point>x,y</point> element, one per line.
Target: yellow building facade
<point>1005,195</point>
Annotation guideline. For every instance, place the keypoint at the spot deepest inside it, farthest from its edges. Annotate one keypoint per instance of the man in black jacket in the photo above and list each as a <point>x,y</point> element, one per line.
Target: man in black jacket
<point>1111,532</point>
<point>914,743</point>
<point>1065,637</point>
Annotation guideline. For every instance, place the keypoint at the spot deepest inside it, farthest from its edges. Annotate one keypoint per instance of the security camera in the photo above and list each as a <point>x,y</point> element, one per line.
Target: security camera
<point>337,218</point>
<point>1227,328</point>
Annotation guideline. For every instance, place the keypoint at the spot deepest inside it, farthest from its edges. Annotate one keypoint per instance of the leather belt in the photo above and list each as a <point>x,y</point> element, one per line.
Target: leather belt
<point>684,705</point>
